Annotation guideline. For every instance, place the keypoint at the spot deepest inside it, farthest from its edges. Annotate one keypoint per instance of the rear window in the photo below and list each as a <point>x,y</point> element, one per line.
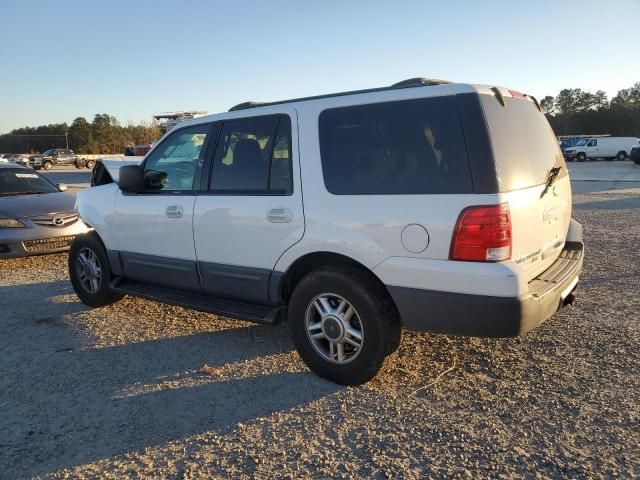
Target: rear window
<point>404,147</point>
<point>524,145</point>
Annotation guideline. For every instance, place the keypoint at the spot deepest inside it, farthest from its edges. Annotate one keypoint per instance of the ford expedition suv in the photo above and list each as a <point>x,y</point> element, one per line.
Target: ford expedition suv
<point>426,205</point>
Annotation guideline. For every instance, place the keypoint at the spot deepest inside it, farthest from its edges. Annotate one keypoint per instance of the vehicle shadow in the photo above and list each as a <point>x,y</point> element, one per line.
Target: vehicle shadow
<point>65,402</point>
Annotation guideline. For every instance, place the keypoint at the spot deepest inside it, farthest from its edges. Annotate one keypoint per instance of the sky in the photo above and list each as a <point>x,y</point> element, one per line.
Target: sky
<point>68,58</point>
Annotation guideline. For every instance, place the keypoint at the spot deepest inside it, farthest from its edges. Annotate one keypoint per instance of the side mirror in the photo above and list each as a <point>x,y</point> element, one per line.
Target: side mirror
<point>62,187</point>
<point>131,178</point>
<point>154,179</point>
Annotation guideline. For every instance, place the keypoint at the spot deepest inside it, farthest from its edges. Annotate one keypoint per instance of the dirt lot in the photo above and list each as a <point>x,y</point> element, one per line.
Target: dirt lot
<point>121,391</point>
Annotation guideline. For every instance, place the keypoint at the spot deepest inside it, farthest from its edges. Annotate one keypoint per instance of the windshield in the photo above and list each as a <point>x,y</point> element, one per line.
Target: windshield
<point>48,152</point>
<point>23,182</point>
<point>582,142</point>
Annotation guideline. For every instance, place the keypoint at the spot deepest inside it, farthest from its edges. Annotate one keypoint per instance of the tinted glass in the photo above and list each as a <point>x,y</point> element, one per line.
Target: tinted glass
<point>22,182</point>
<point>405,147</point>
<point>179,156</point>
<point>524,145</point>
<point>254,155</point>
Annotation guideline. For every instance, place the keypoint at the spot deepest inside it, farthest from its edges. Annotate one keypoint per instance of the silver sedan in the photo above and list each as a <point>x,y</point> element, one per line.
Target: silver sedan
<point>36,216</point>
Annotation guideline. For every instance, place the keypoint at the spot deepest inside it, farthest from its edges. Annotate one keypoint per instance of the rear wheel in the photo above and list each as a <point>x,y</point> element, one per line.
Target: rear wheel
<point>343,324</point>
<point>622,155</point>
<point>89,271</point>
<point>90,164</point>
<point>47,165</point>
<point>581,157</point>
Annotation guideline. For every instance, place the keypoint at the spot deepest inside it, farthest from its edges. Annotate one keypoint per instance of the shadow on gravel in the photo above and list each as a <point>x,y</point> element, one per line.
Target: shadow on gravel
<point>616,204</point>
<point>61,401</point>
<point>38,303</point>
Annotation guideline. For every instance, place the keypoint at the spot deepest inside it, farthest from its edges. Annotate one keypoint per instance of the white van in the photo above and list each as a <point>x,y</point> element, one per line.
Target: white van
<point>425,205</point>
<point>601,147</point>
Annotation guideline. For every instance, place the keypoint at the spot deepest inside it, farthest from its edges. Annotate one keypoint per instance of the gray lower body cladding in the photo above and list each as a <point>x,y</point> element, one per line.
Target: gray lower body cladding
<point>485,316</point>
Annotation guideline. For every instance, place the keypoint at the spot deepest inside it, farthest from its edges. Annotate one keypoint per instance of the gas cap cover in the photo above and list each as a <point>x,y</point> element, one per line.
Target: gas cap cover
<point>415,238</point>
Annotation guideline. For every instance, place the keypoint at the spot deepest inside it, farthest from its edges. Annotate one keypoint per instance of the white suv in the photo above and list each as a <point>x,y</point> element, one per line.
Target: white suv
<point>427,205</point>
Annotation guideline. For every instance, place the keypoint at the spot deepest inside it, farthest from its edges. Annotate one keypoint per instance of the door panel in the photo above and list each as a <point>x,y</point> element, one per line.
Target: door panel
<point>250,216</point>
<point>153,229</point>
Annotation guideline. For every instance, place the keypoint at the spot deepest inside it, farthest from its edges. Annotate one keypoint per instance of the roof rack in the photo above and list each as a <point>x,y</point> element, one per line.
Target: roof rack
<point>409,83</point>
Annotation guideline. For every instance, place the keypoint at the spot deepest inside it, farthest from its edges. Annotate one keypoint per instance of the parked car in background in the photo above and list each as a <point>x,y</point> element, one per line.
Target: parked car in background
<point>53,157</point>
<point>608,148</point>
<point>635,155</point>
<point>428,205</point>
<point>83,162</point>
<point>141,150</point>
<point>16,158</point>
<point>36,216</point>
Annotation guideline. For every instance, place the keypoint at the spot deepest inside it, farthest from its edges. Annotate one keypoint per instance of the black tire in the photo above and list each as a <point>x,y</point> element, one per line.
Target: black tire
<point>90,164</point>
<point>47,165</point>
<point>581,157</point>
<point>102,295</point>
<point>375,312</point>
<point>77,165</point>
<point>622,155</point>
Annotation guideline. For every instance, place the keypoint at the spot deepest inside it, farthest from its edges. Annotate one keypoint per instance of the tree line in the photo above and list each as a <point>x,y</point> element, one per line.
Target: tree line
<point>571,112</point>
<point>103,135</point>
<point>576,112</point>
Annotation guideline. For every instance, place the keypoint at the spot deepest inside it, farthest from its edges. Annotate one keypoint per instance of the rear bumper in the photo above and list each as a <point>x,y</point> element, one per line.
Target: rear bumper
<point>489,316</point>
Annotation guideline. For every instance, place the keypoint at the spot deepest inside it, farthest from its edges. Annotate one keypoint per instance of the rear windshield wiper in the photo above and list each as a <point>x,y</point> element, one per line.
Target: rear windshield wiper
<point>551,177</point>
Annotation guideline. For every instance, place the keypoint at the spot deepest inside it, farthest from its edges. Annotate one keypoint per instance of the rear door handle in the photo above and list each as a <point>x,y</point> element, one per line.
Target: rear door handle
<point>174,211</point>
<point>280,215</point>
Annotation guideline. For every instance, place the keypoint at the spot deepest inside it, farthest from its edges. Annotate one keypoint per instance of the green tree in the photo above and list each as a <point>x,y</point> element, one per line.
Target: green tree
<point>80,135</point>
<point>548,105</point>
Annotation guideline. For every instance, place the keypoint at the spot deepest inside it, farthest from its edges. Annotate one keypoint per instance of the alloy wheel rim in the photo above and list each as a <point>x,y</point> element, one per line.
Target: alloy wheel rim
<point>88,270</point>
<point>334,328</point>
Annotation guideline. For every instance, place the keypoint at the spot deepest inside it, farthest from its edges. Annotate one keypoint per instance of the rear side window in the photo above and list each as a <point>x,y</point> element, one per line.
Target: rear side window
<point>524,145</point>
<point>403,147</point>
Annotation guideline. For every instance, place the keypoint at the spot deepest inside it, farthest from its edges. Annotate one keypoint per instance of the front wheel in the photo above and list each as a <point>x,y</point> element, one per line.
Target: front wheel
<point>89,271</point>
<point>581,157</point>
<point>47,165</point>
<point>90,164</point>
<point>343,324</point>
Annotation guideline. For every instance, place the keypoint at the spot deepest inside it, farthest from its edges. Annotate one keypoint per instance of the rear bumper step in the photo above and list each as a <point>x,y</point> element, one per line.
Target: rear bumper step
<point>486,316</point>
<point>262,314</point>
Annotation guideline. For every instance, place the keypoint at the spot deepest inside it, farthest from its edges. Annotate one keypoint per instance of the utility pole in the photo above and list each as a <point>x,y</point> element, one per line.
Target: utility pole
<point>66,139</point>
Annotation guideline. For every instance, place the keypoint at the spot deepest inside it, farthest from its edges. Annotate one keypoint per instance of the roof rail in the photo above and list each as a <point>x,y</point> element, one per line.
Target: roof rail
<point>420,82</point>
<point>412,82</point>
<point>245,105</point>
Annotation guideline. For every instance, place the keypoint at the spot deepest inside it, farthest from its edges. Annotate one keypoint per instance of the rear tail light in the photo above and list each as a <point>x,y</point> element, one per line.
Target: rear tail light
<point>482,234</point>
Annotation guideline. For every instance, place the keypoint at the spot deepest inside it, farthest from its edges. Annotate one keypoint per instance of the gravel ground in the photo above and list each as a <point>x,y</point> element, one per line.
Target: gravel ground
<point>142,390</point>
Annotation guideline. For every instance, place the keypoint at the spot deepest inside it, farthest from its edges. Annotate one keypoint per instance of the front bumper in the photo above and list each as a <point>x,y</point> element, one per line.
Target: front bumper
<point>489,316</point>
<point>23,242</point>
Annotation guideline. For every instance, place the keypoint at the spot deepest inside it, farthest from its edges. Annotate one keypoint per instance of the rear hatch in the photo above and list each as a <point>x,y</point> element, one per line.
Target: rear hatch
<point>525,151</point>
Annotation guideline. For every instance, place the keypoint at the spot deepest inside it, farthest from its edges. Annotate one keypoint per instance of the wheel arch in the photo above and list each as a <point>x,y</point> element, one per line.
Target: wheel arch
<point>283,284</point>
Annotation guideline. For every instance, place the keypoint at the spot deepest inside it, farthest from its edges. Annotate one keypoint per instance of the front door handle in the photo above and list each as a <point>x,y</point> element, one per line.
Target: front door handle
<point>280,215</point>
<point>174,211</point>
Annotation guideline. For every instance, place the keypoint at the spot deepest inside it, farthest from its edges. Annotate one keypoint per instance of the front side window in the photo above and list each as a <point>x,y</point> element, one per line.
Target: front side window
<point>179,157</point>
<point>403,147</point>
<point>254,156</point>
<point>593,143</point>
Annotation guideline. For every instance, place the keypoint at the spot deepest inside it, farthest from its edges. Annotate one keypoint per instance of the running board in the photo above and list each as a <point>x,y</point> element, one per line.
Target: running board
<point>262,314</point>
